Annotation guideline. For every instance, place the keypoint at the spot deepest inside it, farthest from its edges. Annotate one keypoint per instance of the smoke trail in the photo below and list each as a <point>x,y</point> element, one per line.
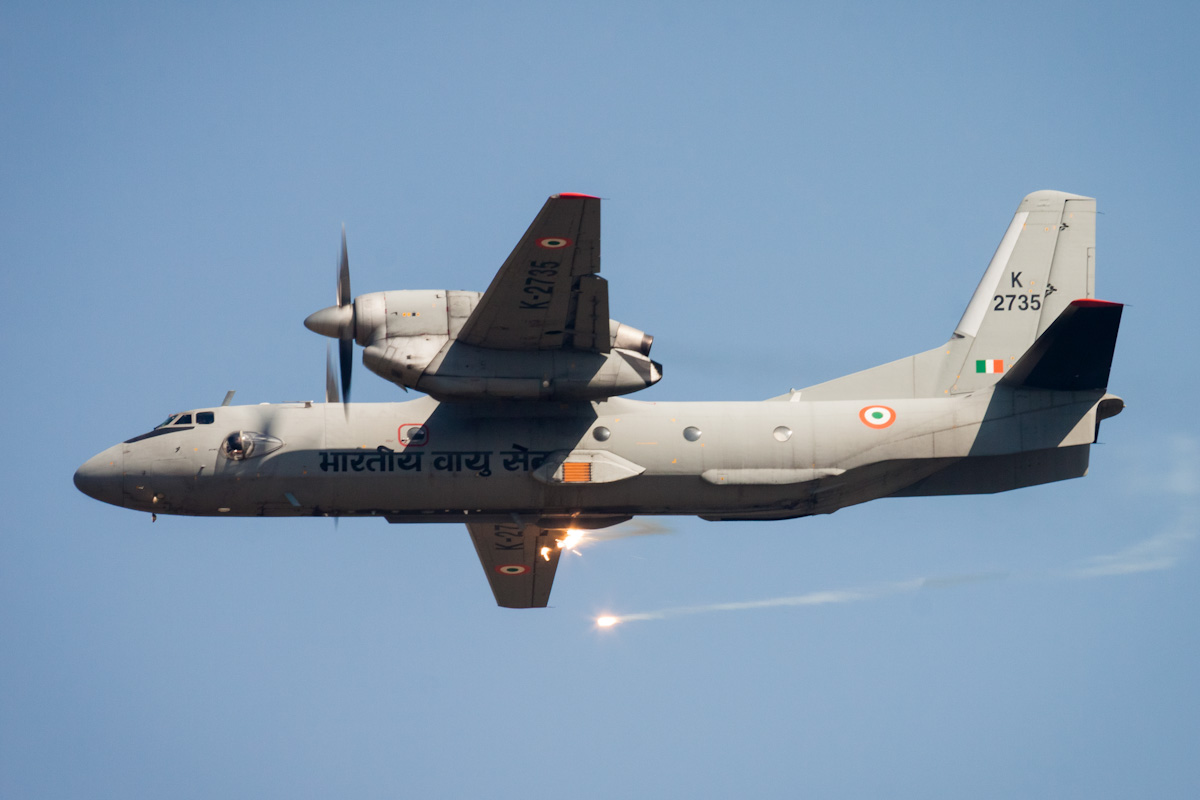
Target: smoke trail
<point>828,597</point>
<point>635,527</point>
<point>1173,483</point>
<point>1161,551</point>
<point>578,540</point>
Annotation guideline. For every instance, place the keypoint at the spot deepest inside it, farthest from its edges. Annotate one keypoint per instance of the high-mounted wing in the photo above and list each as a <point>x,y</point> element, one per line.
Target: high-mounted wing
<point>547,295</point>
<point>519,561</point>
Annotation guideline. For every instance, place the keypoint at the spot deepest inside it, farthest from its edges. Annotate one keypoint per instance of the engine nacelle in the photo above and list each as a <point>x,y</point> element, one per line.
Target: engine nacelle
<point>630,338</point>
<point>410,340</point>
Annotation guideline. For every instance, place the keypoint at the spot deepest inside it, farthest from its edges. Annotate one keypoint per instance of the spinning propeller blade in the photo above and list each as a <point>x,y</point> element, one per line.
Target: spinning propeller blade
<point>346,334</point>
<point>338,322</point>
<point>331,386</point>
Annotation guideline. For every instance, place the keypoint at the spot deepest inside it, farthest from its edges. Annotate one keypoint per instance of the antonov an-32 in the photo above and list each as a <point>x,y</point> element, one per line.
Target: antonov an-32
<point>524,434</point>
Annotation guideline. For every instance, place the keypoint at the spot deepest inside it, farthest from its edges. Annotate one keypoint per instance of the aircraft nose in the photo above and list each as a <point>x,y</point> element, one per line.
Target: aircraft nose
<point>100,477</point>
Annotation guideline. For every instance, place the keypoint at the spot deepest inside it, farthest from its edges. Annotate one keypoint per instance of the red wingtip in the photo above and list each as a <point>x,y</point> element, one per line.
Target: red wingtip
<point>577,194</point>
<point>1090,303</point>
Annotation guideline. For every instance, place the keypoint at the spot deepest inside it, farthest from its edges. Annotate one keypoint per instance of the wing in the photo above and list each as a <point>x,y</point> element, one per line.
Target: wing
<point>519,561</point>
<point>547,296</point>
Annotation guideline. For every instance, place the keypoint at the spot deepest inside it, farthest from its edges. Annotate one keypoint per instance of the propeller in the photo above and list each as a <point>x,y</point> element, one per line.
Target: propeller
<point>346,339</point>
<point>331,386</point>
<point>337,322</point>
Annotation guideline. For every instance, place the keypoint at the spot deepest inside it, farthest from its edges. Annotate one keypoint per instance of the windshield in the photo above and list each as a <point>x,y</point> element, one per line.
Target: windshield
<point>165,422</point>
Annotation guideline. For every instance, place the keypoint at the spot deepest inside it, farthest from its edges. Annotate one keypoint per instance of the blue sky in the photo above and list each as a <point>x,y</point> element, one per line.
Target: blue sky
<point>792,192</point>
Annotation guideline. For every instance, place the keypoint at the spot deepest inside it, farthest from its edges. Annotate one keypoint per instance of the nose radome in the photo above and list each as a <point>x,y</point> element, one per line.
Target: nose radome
<point>100,477</point>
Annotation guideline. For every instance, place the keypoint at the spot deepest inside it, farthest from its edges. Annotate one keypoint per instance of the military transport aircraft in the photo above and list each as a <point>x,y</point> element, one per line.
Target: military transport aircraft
<point>523,434</point>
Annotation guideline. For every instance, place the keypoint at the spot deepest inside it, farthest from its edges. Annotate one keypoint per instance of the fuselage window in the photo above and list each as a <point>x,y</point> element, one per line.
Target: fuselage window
<point>205,417</point>
<point>240,445</point>
<point>184,419</point>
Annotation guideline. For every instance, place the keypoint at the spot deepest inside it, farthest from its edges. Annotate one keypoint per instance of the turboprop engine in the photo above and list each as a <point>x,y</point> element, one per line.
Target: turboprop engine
<point>410,339</point>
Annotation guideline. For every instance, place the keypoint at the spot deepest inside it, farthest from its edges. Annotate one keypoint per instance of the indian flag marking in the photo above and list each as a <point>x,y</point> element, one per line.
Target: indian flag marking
<point>877,416</point>
<point>990,365</point>
<point>512,569</point>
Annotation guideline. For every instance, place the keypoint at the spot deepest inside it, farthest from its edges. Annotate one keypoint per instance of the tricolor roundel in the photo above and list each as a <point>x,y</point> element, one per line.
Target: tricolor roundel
<point>554,242</point>
<point>512,569</point>
<point>877,416</point>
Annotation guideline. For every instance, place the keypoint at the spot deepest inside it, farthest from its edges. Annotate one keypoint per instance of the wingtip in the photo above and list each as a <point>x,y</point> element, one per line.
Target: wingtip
<point>576,194</point>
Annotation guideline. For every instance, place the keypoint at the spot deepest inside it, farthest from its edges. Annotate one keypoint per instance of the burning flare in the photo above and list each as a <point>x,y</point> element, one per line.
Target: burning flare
<point>571,540</point>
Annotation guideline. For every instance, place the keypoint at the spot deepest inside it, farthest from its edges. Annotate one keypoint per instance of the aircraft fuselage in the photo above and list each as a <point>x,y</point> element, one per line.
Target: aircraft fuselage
<point>430,461</point>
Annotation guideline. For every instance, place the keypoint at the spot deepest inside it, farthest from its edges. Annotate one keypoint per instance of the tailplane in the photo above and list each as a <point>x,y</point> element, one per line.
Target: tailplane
<point>1074,354</point>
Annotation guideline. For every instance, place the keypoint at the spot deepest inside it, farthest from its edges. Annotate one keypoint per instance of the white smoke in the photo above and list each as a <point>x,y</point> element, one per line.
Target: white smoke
<point>822,598</point>
<point>1161,551</point>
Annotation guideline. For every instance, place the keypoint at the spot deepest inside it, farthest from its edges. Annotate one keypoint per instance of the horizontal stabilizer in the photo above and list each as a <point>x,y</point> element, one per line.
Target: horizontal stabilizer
<point>1073,354</point>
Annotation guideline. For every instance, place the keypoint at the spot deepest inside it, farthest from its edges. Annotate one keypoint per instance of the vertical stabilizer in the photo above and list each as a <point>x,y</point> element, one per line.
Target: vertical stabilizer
<point>1044,262</point>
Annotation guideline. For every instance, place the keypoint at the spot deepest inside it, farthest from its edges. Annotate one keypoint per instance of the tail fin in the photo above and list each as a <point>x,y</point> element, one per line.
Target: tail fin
<point>1045,260</point>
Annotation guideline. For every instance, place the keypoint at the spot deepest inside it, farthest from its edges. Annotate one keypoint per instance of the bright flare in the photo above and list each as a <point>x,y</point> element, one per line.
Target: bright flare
<point>545,551</point>
<point>607,622</point>
<point>571,540</point>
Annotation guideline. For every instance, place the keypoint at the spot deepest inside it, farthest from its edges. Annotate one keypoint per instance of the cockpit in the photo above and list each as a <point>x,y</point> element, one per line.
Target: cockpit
<point>236,446</point>
<point>185,421</point>
<point>201,417</point>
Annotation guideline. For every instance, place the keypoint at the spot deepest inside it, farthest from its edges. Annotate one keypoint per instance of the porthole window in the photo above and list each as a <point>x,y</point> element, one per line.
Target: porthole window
<point>782,433</point>
<point>237,446</point>
<point>691,433</point>
<point>205,417</point>
<point>601,433</point>
<point>240,445</point>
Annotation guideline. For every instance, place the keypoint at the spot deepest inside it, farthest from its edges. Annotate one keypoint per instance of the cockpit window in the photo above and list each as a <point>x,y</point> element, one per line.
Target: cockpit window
<point>202,418</point>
